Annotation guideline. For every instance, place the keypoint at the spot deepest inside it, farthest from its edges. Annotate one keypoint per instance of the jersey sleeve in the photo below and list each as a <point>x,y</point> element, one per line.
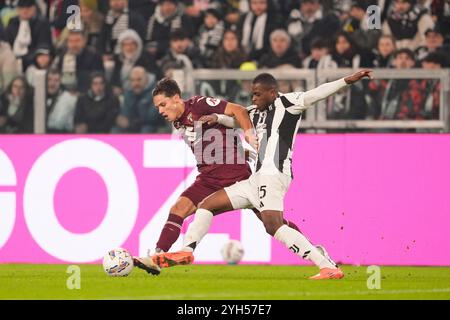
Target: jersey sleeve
<point>294,102</point>
<point>208,105</point>
<point>297,102</point>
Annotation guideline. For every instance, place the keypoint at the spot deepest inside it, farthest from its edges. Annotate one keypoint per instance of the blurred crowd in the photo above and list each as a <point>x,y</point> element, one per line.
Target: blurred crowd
<point>104,57</point>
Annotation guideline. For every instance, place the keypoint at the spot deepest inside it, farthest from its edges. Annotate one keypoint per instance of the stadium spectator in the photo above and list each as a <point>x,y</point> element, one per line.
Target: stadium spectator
<point>138,114</point>
<point>167,18</point>
<point>231,54</point>
<point>131,54</point>
<point>97,109</point>
<point>243,95</point>
<point>286,86</point>
<point>348,103</point>
<point>404,59</point>
<point>60,105</point>
<point>407,22</point>
<point>92,22</point>
<point>356,26</point>
<point>27,32</point>
<point>77,62</point>
<point>256,27</point>
<point>16,107</point>
<point>195,10</point>
<point>42,61</point>
<point>384,53</point>
<point>210,34</point>
<point>146,8</point>
<point>430,89</point>
<point>118,19</point>
<point>440,10</point>
<point>281,52</point>
<point>434,42</point>
<point>179,56</point>
<point>231,13</point>
<point>8,62</point>
<point>346,54</point>
<point>308,22</point>
<point>320,57</point>
<point>341,8</point>
<point>394,99</point>
<point>435,60</point>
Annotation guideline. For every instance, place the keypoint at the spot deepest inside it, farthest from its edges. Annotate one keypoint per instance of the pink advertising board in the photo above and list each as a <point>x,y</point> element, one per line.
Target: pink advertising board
<point>369,199</point>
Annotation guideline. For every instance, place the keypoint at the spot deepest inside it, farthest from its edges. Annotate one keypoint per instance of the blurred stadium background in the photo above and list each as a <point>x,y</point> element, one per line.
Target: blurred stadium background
<point>371,164</point>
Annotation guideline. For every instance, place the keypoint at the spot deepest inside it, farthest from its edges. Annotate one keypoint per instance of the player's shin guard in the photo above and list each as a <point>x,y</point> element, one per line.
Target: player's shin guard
<point>297,243</point>
<point>197,229</point>
<point>170,233</point>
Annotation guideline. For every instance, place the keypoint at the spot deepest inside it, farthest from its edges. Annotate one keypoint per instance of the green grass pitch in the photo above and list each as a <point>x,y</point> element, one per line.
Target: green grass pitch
<point>18,281</point>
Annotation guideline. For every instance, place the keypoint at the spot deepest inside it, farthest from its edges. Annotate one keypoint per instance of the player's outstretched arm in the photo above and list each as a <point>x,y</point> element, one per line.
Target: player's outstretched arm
<point>242,117</point>
<point>328,89</point>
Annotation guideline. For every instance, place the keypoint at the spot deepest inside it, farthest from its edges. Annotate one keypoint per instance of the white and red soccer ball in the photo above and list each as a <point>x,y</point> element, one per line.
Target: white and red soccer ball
<point>118,263</point>
<point>232,252</point>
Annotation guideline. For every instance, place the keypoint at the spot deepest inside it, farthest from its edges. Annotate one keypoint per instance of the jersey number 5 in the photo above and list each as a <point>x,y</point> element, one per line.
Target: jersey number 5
<point>262,192</point>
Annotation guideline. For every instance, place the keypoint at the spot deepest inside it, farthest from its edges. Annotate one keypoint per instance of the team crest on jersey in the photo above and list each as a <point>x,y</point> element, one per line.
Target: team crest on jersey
<point>190,117</point>
<point>212,102</point>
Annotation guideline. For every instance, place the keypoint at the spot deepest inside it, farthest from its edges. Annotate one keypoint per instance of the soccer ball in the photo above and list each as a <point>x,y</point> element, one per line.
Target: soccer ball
<point>118,263</point>
<point>232,252</point>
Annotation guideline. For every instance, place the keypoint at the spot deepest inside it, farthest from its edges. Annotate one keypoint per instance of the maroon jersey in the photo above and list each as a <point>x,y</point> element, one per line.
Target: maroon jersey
<point>221,161</point>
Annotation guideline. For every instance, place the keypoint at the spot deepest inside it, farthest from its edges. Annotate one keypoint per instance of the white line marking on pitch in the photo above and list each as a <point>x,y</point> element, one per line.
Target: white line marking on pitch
<point>291,293</point>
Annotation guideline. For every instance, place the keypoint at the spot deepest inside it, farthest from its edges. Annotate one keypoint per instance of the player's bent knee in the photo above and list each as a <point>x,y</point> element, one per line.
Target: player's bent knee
<point>271,227</point>
<point>183,209</point>
<point>270,230</point>
<point>271,223</point>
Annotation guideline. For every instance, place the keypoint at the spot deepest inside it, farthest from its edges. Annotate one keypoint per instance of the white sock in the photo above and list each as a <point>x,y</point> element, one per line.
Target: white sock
<point>297,243</point>
<point>197,229</point>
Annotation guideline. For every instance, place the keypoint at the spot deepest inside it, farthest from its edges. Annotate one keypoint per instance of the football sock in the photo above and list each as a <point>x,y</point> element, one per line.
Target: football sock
<point>297,242</point>
<point>197,229</point>
<point>169,233</point>
<point>291,224</point>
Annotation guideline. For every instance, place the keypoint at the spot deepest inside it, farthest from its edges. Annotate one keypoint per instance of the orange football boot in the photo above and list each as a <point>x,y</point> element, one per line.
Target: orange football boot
<point>170,259</point>
<point>328,273</point>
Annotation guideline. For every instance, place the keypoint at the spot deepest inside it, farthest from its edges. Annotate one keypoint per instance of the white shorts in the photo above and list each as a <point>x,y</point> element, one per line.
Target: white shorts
<point>260,191</point>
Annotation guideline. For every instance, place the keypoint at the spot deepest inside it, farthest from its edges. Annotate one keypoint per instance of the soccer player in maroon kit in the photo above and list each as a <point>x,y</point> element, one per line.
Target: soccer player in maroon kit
<point>188,117</point>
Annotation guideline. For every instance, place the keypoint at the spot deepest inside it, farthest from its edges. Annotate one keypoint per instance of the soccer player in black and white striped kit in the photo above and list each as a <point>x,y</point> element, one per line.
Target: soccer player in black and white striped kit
<point>276,118</point>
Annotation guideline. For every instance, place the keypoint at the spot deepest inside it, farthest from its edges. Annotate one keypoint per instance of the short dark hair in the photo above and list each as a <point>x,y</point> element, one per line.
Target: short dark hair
<point>54,71</point>
<point>437,58</point>
<point>26,3</point>
<point>267,80</point>
<point>319,43</point>
<point>167,87</point>
<point>178,34</point>
<point>406,51</point>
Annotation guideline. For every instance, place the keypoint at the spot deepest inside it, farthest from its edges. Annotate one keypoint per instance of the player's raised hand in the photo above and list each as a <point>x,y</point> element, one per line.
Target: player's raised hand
<point>365,73</point>
<point>209,119</point>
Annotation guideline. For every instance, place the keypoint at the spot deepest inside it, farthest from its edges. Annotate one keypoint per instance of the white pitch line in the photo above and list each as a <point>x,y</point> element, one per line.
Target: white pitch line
<point>289,293</point>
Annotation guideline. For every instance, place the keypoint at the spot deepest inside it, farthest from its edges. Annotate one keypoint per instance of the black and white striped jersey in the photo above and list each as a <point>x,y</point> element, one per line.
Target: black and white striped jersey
<point>276,128</point>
